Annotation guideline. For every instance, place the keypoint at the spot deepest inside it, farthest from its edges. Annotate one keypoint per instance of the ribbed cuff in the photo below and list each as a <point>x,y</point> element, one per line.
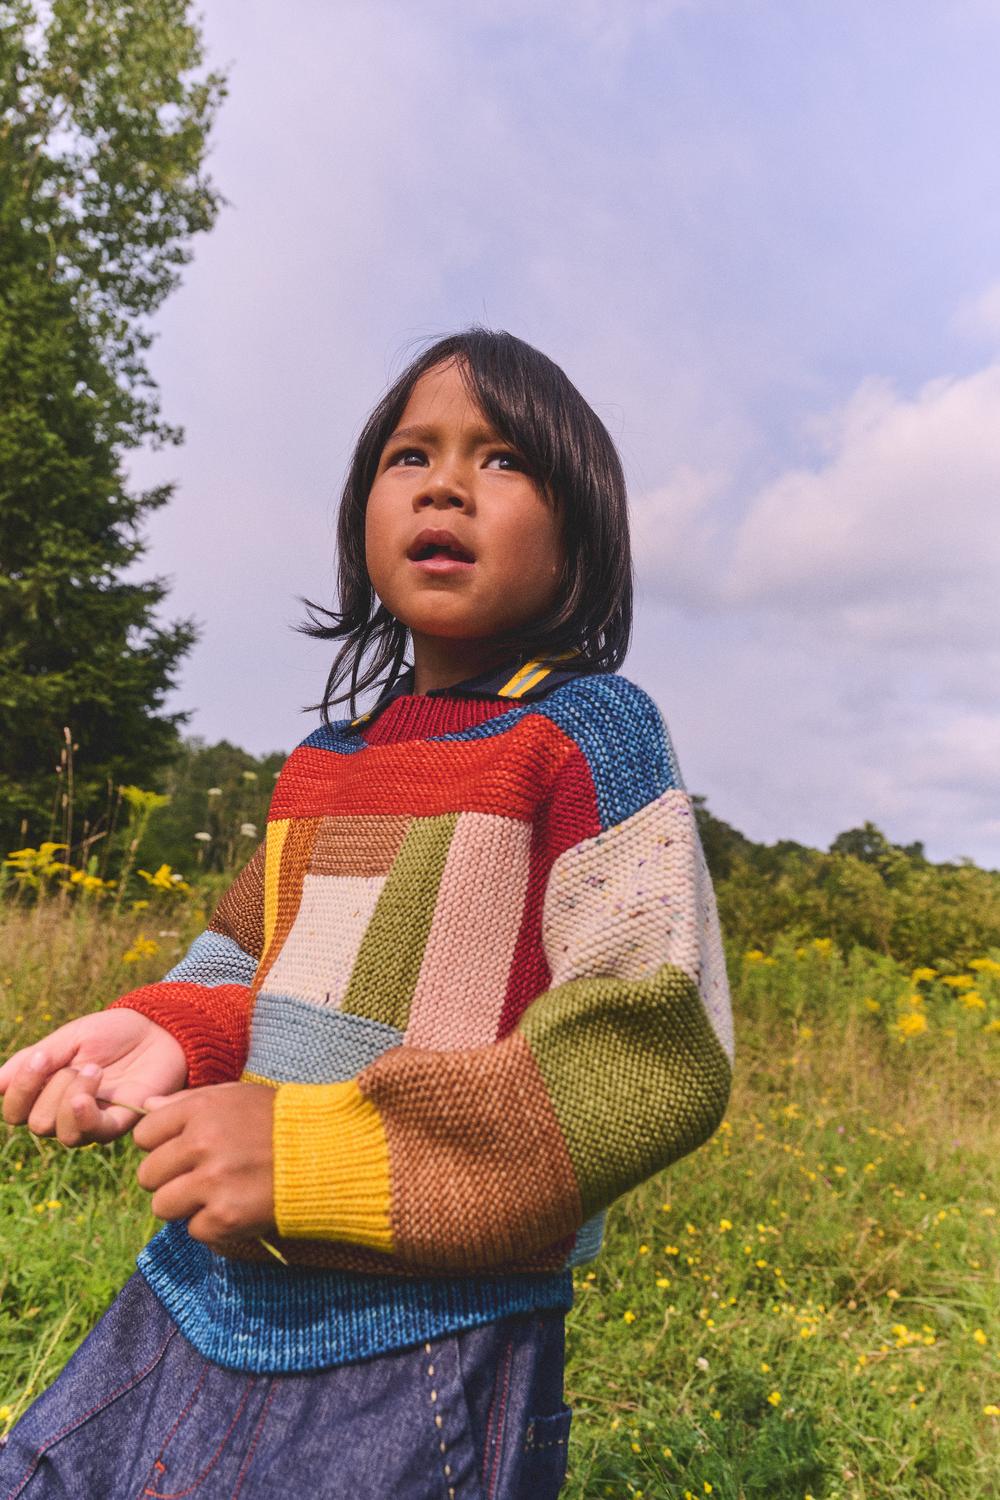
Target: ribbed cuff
<point>210,1022</point>
<point>331,1165</point>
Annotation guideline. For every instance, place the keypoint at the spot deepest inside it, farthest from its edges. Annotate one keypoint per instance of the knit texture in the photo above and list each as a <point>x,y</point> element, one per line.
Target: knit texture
<point>478,958</point>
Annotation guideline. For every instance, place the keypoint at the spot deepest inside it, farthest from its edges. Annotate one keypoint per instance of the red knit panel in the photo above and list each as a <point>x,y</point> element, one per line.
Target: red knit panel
<point>503,774</point>
<point>212,1024</point>
<point>411,717</point>
<point>570,816</point>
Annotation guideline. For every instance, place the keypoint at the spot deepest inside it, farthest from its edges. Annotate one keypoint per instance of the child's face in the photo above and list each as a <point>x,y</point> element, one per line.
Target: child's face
<point>444,468</point>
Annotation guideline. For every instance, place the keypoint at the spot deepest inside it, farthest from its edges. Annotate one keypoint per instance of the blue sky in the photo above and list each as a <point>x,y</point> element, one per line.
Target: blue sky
<point>764,241</point>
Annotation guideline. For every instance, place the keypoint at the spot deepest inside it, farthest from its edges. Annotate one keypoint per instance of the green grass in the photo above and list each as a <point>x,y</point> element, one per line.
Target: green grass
<point>805,1306</point>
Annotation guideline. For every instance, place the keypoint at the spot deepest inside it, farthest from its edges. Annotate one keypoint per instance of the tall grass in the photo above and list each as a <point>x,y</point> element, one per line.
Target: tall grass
<point>806,1306</point>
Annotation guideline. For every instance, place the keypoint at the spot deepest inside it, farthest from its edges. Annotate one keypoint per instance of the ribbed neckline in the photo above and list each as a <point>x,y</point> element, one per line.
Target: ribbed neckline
<point>415,716</point>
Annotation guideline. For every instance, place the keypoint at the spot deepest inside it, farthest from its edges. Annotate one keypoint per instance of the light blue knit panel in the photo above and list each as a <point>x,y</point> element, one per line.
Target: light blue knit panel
<point>292,1041</point>
<point>589,1238</point>
<point>213,960</point>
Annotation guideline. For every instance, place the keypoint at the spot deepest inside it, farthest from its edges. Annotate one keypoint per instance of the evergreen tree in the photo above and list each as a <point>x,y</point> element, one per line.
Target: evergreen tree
<point>105,110</point>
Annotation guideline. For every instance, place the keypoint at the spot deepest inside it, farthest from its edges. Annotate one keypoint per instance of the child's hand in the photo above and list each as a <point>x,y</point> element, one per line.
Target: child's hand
<point>210,1159</point>
<point>54,1086</point>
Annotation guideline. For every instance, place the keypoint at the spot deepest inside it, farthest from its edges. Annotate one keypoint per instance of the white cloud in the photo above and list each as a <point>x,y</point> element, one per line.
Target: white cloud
<point>894,533</point>
<point>979,318</point>
<point>844,621</point>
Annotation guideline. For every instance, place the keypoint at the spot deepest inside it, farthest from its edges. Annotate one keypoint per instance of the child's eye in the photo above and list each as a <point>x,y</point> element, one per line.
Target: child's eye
<point>505,460</point>
<point>408,456</point>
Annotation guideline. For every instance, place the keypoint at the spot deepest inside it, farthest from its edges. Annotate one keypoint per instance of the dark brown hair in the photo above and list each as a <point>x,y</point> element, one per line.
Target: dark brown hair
<point>569,452</point>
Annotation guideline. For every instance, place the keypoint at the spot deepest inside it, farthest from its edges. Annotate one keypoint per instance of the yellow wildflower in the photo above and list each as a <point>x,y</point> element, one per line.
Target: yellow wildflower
<point>972,1000</point>
<point>923,975</point>
<point>991,1410</point>
<point>957,981</point>
<point>980,1336</point>
<point>774,1398</point>
<point>911,1024</point>
<point>985,966</point>
<point>143,947</point>
<point>628,1316</point>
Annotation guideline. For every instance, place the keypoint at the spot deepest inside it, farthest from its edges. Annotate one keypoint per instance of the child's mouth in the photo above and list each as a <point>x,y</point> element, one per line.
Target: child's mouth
<point>442,562</point>
<point>440,554</point>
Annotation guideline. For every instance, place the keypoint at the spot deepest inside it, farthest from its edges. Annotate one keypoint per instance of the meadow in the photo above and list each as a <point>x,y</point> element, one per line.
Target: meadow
<point>805,1307</point>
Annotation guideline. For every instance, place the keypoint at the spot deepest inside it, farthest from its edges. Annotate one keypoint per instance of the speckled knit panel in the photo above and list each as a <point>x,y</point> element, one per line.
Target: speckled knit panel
<point>634,896</point>
<point>517,892</point>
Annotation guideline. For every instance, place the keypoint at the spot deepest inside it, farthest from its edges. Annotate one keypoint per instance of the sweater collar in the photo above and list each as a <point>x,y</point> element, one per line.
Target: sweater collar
<point>524,681</point>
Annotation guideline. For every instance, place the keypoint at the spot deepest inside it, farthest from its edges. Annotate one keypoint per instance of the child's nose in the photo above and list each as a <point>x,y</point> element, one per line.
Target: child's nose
<point>446,482</point>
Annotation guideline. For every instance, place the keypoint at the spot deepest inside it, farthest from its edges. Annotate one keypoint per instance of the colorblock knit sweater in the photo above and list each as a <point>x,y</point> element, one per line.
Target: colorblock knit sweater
<point>477,956</point>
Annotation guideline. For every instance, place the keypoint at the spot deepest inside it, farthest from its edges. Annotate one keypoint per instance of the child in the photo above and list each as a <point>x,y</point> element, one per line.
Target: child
<point>469,990</point>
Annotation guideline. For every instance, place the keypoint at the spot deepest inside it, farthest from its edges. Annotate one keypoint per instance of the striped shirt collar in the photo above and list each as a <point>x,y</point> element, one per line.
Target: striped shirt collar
<point>524,681</point>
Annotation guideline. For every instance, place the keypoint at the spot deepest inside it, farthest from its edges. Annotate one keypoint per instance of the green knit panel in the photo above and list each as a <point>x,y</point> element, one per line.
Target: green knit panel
<point>635,1074</point>
<point>388,963</point>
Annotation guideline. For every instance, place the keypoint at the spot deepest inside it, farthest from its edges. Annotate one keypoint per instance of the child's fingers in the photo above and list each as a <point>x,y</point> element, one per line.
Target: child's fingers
<point>79,1118</point>
<point>11,1066</point>
<point>179,1198</point>
<point>33,1093</point>
<point>44,1111</point>
<point>26,1074</point>
<point>174,1158</point>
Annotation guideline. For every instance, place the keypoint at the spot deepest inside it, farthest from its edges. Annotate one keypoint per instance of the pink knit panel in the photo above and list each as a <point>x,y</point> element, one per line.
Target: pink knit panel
<point>463,977</point>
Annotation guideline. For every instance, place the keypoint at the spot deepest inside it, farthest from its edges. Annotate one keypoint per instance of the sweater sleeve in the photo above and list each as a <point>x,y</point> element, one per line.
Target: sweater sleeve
<point>471,1159</point>
<point>204,1001</point>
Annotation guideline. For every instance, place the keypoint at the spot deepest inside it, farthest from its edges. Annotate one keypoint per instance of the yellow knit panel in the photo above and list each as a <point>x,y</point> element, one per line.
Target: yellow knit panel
<point>331,1165</point>
<point>276,834</point>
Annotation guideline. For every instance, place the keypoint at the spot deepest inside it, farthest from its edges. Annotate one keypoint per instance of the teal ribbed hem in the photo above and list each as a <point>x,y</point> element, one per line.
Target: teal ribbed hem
<point>287,1321</point>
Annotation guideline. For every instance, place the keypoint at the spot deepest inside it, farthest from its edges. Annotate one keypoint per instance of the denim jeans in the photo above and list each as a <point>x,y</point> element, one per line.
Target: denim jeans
<point>137,1412</point>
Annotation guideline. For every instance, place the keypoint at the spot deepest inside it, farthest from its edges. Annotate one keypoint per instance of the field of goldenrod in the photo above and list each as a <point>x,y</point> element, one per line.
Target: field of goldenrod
<point>807,1306</point>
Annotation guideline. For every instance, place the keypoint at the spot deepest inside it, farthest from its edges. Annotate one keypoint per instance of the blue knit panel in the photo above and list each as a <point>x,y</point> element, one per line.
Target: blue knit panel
<point>292,1041</point>
<point>213,960</point>
<point>589,1238</point>
<point>286,1320</point>
<point>332,737</point>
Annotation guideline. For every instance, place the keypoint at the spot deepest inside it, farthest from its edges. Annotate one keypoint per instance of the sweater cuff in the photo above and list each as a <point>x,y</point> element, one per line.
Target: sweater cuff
<point>211,1024</point>
<point>331,1165</point>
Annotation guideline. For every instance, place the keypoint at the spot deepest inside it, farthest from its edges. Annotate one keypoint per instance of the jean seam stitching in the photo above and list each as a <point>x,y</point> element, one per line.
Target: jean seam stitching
<point>146,1490</point>
<point>501,1417</point>
<point>200,1480</point>
<point>254,1441</point>
<point>79,1421</point>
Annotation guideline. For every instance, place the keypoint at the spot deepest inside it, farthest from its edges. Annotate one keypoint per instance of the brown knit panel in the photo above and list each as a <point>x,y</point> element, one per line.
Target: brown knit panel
<point>357,845</point>
<point>479,1167</point>
<point>323,1255</point>
<point>294,864</point>
<point>240,913</point>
